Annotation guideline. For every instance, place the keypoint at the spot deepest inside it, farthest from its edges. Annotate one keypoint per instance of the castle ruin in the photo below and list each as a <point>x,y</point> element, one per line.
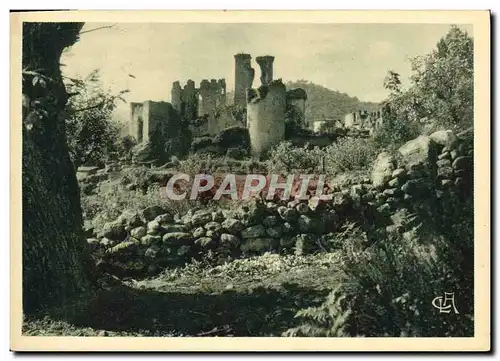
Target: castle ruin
<point>204,107</point>
<point>243,78</point>
<point>150,117</point>
<point>363,119</point>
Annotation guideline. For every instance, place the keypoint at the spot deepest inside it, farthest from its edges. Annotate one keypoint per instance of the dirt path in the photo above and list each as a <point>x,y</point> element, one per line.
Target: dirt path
<point>252,297</point>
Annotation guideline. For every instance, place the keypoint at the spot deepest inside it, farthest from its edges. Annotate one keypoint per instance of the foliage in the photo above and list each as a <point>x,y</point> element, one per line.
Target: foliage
<point>90,131</point>
<point>395,131</point>
<point>444,80</point>
<point>234,137</point>
<point>286,158</point>
<point>294,120</point>
<point>125,145</point>
<point>326,320</point>
<point>441,91</point>
<point>390,282</point>
<point>392,82</point>
<point>107,206</point>
<point>348,154</point>
<point>201,143</point>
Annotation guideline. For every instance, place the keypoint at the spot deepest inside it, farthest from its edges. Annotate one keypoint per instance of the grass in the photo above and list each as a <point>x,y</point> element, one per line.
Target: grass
<point>257,296</point>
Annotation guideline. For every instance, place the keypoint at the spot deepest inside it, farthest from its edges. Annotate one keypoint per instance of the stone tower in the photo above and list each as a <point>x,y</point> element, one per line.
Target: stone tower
<point>243,77</point>
<point>266,68</point>
<point>266,116</point>
<point>190,100</point>
<point>176,96</point>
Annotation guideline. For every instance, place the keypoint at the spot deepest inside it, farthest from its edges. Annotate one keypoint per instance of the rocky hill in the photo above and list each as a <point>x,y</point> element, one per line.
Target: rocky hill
<point>326,103</point>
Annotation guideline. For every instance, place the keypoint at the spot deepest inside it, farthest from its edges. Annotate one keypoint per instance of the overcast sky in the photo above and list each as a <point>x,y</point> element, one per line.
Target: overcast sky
<point>351,58</point>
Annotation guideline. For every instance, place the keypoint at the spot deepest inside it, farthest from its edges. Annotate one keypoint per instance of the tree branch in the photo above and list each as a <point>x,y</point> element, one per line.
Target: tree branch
<point>99,28</point>
<point>95,106</point>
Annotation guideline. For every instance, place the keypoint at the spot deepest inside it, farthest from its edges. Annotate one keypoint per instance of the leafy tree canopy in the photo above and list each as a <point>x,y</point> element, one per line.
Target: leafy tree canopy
<point>91,133</point>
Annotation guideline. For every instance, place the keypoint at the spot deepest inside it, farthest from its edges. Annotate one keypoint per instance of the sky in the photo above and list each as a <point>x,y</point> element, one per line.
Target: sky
<point>350,58</point>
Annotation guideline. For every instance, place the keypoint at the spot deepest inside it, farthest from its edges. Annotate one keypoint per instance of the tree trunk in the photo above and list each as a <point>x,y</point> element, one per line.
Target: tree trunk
<point>55,253</point>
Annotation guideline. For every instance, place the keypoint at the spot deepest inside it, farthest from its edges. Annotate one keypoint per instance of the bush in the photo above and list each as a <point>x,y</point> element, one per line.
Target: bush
<point>200,163</point>
<point>201,143</point>
<point>125,145</point>
<point>348,154</point>
<point>286,158</point>
<point>390,284</point>
<point>231,138</point>
<point>395,132</point>
<point>142,152</point>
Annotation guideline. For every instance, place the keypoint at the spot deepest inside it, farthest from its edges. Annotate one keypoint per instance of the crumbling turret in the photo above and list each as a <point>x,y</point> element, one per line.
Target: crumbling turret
<point>243,77</point>
<point>189,100</point>
<point>176,96</point>
<point>266,116</point>
<point>222,87</point>
<point>266,68</point>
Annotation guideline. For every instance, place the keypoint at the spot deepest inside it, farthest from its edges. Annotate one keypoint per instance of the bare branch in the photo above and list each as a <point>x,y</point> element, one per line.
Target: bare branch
<point>95,106</point>
<point>99,28</point>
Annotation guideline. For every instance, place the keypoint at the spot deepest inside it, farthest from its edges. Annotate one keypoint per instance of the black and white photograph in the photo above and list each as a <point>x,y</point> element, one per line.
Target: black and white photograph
<point>239,178</point>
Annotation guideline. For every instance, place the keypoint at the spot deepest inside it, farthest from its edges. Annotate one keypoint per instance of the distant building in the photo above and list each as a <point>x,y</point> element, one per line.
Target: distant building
<point>150,117</point>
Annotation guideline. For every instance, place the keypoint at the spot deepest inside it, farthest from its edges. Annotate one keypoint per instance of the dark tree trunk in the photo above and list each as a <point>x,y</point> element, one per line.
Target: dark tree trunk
<point>55,253</point>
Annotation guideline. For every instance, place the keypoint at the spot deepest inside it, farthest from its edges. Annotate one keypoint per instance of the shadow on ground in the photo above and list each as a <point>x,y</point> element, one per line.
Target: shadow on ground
<point>259,312</point>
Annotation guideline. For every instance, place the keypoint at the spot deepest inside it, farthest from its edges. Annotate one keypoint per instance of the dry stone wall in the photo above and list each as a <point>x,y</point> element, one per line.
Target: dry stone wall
<point>430,175</point>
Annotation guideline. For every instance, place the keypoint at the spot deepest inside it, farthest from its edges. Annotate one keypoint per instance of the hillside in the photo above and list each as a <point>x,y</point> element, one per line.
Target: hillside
<point>322,102</point>
<point>325,103</point>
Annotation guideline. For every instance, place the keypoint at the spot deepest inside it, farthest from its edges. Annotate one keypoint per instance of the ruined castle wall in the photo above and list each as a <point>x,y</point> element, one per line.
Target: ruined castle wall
<point>189,100</point>
<point>266,116</point>
<point>224,120</point>
<point>163,118</point>
<point>136,117</point>
<point>207,98</point>
<point>146,109</point>
<point>296,102</point>
<point>149,116</point>
<point>222,97</point>
<point>365,120</point>
<point>176,96</point>
<point>300,104</point>
<point>350,120</point>
<point>266,68</point>
<point>243,77</point>
<point>212,99</point>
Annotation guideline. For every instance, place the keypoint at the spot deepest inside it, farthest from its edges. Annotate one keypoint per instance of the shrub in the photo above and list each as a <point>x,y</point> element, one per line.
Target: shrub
<point>201,143</point>
<point>142,152</point>
<point>326,320</point>
<point>395,132</point>
<point>287,158</point>
<point>389,285</point>
<point>233,137</point>
<point>125,146</point>
<point>348,154</point>
<point>200,163</point>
